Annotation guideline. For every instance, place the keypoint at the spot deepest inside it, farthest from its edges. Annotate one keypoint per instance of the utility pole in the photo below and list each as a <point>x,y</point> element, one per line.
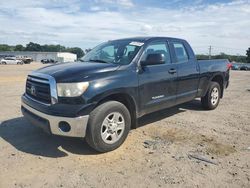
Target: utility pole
<point>210,52</point>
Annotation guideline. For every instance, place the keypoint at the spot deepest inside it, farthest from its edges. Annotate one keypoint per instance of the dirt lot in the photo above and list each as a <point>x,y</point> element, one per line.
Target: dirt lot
<point>157,154</point>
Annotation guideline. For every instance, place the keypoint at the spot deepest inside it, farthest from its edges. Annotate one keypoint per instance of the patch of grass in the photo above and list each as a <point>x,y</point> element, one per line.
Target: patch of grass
<point>180,136</point>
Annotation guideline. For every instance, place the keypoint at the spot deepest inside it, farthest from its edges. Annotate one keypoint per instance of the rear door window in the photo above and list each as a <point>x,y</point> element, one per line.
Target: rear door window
<point>180,52</point>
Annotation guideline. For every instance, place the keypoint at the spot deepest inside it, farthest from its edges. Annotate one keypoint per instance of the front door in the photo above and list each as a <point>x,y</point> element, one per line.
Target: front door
<point>157,87</point>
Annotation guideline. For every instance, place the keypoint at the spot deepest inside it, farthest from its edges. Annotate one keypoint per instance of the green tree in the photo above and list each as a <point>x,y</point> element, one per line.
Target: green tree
<point>202,57</point>
<point>78,51</point>
<point>222,56</point>
<point>248,55</point>
<point>5,47</point>
<point>19,47</point>
<point>33,47</point>
<point>236,58</point>
<point>87,50</point>
<point>53,48</point>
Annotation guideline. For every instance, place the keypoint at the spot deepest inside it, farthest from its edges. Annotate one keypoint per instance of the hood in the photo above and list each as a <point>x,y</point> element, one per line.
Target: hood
<point>77,71</point>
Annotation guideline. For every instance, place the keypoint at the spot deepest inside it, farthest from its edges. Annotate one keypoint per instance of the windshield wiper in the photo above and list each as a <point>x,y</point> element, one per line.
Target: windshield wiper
<point>98,60</point>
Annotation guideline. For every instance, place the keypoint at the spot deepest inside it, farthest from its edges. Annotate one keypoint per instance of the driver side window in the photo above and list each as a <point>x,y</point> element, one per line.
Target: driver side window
<point>157,48</point>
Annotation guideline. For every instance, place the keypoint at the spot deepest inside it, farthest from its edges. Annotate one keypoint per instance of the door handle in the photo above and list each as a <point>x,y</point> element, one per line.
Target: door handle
<point>172,71</point>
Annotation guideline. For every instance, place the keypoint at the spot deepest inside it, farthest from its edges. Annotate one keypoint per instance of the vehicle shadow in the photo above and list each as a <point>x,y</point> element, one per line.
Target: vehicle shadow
<point>162,114</point>
<point>30,139</point>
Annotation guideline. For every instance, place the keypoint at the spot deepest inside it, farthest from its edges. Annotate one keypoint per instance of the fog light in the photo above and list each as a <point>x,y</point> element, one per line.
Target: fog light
<point>64,126</point>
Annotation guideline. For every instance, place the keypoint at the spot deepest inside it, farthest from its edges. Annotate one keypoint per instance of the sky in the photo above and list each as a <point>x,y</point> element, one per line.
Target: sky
<point>223,24</point>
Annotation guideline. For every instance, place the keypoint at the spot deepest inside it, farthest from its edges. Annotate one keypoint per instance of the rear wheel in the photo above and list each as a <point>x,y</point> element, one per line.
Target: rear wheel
<point>4,63</point>
<point>212,98</point>
<point>108,126</point>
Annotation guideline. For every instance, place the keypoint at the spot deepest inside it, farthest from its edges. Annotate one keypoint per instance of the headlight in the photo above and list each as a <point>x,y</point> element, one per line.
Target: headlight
<point>71,89</point>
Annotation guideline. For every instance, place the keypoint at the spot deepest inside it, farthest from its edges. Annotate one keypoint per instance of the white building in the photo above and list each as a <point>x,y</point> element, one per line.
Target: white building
<point>38,56</point>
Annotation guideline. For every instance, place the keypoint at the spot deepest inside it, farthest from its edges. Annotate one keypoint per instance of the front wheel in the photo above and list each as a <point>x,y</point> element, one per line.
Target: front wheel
<point>108,126</point>
<point>212,98</point>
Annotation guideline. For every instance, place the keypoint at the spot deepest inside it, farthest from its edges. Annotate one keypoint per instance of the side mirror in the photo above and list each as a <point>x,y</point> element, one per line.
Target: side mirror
<point>154,59</point>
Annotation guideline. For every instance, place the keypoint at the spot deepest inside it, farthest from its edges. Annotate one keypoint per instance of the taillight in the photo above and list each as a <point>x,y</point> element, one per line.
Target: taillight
<point>229,66</point>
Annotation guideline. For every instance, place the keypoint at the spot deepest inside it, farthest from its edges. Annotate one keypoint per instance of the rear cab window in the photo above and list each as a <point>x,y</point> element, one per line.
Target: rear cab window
<point>180,52</point>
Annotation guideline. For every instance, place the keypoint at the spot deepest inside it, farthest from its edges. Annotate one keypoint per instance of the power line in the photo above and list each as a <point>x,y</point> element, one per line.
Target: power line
<point>220,47</point>
<point>210,52</point>
<point>229,48</point>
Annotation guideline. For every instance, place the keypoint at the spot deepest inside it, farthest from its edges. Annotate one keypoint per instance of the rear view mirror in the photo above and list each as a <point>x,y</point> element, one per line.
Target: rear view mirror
<point>154,59</point>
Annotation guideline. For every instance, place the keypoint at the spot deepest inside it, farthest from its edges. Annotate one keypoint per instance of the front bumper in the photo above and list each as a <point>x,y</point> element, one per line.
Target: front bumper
<point>50,123</point>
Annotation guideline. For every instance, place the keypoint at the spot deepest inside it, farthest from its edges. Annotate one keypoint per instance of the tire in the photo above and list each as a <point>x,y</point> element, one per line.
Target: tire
<point>4,63</point>
<point>98,127</point>
<point>212,98</point>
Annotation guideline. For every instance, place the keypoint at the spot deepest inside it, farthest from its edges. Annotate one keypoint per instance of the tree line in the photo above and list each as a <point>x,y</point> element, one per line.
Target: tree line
<point>35,47</point>
<point>80,53</point>
<point>231,58</point>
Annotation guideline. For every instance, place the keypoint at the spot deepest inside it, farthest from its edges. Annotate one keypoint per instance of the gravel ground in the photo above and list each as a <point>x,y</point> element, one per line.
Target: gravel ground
<point>160,153</point>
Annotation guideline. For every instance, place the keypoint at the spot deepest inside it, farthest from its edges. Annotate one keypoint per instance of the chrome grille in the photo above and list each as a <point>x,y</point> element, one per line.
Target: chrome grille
<point>39,89</point>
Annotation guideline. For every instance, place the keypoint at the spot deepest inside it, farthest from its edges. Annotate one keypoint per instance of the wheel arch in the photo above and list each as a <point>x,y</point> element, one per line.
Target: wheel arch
<point>125,99</point>
<point>219,79</point>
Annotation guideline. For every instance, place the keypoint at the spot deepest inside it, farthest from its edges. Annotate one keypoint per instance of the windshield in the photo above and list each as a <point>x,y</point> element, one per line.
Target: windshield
<point>118,52</point>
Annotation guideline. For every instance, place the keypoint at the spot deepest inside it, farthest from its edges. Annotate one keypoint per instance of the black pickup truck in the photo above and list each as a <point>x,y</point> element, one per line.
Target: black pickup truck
<point>101,97</point>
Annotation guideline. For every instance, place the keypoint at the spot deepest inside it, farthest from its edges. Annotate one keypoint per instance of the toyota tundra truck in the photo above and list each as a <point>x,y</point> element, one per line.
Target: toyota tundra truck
<point>101,97</point>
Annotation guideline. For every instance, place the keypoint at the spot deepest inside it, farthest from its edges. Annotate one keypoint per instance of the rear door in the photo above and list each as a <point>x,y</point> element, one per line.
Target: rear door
<point>157,83</point>
<point>187,71</point>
